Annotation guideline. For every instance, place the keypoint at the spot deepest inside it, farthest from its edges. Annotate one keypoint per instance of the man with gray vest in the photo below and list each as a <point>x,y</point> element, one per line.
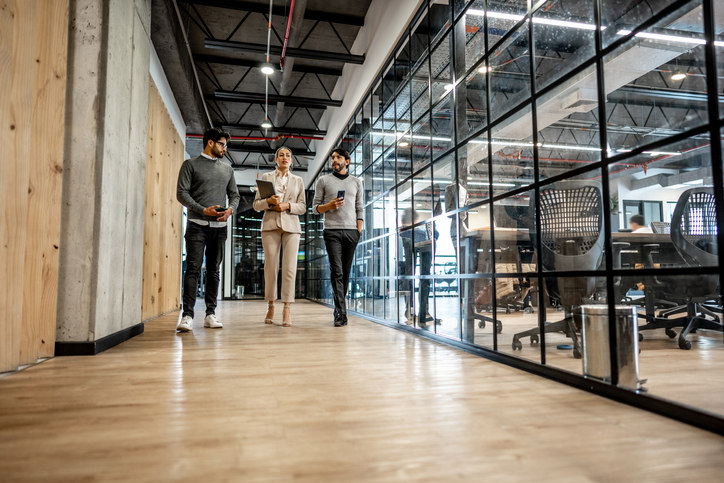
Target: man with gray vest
<point>339,196</point>
<point>204,183</point>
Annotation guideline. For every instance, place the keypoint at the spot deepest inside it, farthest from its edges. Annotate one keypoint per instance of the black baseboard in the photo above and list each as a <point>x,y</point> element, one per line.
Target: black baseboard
<point>98,346</point>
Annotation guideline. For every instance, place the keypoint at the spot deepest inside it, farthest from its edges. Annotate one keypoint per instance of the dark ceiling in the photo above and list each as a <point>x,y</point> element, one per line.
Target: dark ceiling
<point>223,85</point>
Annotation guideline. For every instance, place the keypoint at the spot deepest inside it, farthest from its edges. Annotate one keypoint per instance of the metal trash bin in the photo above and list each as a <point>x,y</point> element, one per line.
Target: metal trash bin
<point>596,351</point>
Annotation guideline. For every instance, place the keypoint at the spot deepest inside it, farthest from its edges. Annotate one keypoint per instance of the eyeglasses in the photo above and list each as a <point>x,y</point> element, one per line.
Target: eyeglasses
<point>219,142</point>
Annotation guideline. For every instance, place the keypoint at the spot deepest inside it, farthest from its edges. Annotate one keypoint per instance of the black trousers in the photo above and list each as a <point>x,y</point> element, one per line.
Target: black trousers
<point>341,245</point>
<point>199,238</point>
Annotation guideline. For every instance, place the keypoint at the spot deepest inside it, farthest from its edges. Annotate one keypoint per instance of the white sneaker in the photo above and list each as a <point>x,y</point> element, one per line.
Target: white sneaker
<point>184,325</point>
<point>212,322</point>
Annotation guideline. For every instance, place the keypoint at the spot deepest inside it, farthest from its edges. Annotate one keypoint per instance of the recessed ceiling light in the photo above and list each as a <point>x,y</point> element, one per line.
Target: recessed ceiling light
<point>483,69</point>
<point>267,69</point>
<point>448,87</point>
<point>403,144</point>
<point>266,125</point>
<point>678,76</point>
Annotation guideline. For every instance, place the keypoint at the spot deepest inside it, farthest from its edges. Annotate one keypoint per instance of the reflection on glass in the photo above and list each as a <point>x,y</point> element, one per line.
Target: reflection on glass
<point>564,38</point>
<point>441,70</point>
<point>472,95</point>
<point>420,92</point>
<point>474,35</point>
<point>655,82</point>
<point>447,306</point>
<point>420,141</point>
<point>473,171</point>
<point>509,73</point>
<point>442,126</point>
<point>564,119</point>
<point>620,17</point>
<point>512,148</point>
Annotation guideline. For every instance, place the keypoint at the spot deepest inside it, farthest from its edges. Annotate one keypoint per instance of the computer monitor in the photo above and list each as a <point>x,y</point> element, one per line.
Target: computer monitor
<point>661,227</point>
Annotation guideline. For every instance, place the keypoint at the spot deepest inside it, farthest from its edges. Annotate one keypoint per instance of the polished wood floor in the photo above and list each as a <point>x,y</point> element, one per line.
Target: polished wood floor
<point>252,402</point>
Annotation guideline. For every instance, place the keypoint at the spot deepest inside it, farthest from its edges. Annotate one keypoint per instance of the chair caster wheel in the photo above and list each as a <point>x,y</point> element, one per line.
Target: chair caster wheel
<point>641,337</point>
<point>577,353</point>
<point>481,324</point>
<point>684,344</point>
<point>534,340</point>
<point>517,346</point>
<point>670,332</point>
<point>499,326</point>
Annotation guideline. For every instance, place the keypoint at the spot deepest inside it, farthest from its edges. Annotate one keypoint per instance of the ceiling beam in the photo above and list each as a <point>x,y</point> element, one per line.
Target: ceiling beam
<point>279,130</point>
<point>248,148</point>
<point>260,98</point>
<point>312,69</point>
<point>276,50</point>
<point>281,10</point>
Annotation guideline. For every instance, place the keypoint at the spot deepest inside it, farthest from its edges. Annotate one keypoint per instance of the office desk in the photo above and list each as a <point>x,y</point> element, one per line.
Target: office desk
<point>666,255</point>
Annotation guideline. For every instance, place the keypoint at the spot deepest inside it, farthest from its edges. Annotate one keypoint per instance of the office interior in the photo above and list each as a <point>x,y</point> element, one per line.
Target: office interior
<point>492,210</point>
<point>503,146</point>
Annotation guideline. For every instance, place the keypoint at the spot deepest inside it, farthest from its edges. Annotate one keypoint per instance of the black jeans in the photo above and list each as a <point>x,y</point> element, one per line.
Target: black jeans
<point>198,238</point>
<point>341,245</point>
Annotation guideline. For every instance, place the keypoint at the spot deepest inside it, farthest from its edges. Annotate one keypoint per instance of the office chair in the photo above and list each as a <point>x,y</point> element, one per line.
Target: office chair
<point>693,234</point>
<point>571,224</point>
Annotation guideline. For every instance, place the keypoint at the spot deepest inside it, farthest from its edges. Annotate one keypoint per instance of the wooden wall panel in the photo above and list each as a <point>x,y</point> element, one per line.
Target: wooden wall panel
<point>162,213</point>
<point>33,55</point>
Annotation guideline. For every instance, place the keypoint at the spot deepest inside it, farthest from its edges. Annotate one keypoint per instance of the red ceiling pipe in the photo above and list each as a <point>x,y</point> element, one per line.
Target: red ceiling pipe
<point>263,138</point>
<point>286,35</point>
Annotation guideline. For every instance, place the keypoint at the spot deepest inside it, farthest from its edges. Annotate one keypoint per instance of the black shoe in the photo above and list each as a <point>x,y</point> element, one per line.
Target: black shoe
<point>340,321</point>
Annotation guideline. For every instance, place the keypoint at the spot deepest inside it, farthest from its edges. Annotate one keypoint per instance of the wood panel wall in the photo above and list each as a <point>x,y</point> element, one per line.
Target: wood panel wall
<point>162,213</point>
<point>33,58</point>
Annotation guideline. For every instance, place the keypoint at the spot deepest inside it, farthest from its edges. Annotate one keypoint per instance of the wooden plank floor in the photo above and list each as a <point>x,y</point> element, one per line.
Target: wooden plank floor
<point>316,403</point>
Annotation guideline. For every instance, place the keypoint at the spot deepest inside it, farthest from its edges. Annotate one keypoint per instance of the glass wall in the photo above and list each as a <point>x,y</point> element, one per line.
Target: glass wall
<point>507,151</point>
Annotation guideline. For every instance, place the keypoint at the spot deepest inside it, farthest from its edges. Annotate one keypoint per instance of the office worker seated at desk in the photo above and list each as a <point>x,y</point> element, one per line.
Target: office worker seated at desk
<point>638,225</point>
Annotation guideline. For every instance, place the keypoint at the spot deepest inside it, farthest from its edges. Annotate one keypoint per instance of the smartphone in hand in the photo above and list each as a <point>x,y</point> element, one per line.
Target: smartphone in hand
<point>220,209</point>
<point>340,194</point>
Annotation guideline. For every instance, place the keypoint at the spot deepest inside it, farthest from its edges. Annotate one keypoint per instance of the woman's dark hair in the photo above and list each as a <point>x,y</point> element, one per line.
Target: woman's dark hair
<point>341,152</point>
<point>214,134</point>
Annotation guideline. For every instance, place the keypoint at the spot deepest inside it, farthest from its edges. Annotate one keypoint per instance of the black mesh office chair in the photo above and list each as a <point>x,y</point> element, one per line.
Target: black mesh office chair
<point>571,223</point>
<point>693,233</point>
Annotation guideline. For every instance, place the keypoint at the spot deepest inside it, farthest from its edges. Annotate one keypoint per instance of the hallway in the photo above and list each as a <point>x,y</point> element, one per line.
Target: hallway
<point>253,402</point>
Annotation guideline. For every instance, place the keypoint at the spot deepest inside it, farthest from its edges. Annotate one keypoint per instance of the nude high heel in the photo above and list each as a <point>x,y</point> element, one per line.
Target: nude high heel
<point>269,319</point>
<point>287,316</point>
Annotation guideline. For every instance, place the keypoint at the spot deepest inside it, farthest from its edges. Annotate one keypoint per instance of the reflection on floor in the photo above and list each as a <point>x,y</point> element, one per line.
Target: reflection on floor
<point>693,377</point>
<point>313,403</point>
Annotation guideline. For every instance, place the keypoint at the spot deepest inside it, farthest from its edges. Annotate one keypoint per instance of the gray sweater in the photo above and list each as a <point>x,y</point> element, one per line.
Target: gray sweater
<point>203,182</point>
<point>344,218</point>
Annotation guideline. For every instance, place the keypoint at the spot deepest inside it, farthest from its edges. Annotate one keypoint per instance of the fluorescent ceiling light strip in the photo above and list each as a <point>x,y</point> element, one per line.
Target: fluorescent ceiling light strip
<point>669,38</point>
<point>540,20</point>
<point>569,147</point>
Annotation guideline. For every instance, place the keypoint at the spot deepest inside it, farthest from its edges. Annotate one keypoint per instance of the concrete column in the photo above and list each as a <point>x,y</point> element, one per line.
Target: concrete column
<point>101,254</point>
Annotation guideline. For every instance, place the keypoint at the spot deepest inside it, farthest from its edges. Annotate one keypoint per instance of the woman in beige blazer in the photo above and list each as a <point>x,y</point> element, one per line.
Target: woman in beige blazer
<point>280,228</point>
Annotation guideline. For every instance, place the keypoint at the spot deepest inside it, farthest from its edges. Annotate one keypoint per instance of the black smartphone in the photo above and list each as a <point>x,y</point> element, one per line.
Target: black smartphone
<point>220,209</point>
<point>340,194</point>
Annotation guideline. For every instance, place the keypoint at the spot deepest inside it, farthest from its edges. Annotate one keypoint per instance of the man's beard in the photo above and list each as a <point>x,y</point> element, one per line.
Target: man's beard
<point>338,167</point>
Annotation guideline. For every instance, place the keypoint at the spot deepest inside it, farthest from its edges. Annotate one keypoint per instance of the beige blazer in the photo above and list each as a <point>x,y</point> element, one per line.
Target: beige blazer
<point>287,220</point>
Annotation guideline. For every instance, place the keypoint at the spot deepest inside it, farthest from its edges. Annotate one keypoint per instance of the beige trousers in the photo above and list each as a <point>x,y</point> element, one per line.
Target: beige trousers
<point>272,241</point>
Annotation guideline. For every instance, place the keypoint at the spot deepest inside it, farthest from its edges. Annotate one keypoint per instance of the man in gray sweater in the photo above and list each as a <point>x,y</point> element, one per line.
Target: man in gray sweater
<point>204,183</point>
<point>339,197</point>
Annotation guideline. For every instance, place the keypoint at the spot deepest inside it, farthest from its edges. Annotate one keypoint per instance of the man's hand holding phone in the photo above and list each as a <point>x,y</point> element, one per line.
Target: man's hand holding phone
<point>221,213</point>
